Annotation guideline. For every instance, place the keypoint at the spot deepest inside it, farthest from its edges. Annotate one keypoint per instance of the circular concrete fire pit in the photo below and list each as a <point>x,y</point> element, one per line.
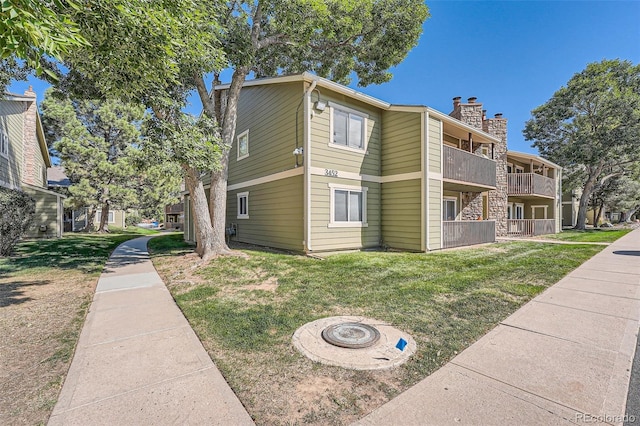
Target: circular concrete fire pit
<point>357,343</point>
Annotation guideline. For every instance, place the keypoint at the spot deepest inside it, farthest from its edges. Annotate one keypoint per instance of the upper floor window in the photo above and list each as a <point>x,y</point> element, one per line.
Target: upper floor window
<point>4,142</point>
<point>243,145</point>
<point>348,128</point>
<point>449,208</point>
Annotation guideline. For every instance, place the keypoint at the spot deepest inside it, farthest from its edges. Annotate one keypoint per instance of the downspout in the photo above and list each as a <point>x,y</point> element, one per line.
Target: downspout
<point>424,193</point>
<point>307,165</point>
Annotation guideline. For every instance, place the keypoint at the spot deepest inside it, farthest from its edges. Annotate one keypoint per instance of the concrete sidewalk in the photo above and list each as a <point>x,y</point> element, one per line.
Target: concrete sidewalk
<point>563,358</point>
<point>138,361</point>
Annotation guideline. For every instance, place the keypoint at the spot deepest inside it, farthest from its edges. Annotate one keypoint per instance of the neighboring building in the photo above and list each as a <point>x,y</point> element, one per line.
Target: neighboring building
<point>76,220</point>
<point>318,166</point>
<point>24,159</point>
<point>174,216</point>
<point>570,206</point>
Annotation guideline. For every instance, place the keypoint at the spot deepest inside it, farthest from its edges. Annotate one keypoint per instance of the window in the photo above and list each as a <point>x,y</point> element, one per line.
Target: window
<point>348,206</point>
<point>347,128</point>
<point>509,211</point>
<point>110,219</point>
<point>243,145</point>
<point>509,168</point>
<point>519,212</point>
<point>4,142</point>
<point>519,169</point>
<point>243,205</point>
<point>449,208</point>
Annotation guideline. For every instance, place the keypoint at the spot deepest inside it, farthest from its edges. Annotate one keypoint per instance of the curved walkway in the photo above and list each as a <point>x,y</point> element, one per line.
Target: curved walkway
<point>138,361</point>
<point>563,358</point>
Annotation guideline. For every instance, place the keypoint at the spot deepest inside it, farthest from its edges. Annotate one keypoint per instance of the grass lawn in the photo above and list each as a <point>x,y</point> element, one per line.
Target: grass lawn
<point>245,311</point>
<point>45,290</point>
<point>597,235</point>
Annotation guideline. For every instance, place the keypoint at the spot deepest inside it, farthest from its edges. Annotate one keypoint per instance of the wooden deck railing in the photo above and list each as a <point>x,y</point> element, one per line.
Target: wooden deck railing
<point>530,227</point>
<point>530,184</point>
<point>175,208</point>
<point>458,233</point>
<point>464,166</point>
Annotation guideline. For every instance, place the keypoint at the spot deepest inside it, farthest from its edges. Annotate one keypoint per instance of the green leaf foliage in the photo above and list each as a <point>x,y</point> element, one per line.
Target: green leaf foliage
<point>18,210</point>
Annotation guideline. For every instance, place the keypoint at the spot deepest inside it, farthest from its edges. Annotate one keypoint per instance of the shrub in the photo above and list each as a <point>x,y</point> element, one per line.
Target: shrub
<point>17,210</point>
<point>132,220</point>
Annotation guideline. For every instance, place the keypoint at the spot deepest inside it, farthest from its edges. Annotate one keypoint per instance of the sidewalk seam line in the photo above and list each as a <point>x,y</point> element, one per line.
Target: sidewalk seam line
<point>136,335</point>
<point>587,310</point>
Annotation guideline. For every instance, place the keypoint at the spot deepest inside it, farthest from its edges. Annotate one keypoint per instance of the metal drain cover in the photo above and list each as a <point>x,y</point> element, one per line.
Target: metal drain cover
<point>353,335</point>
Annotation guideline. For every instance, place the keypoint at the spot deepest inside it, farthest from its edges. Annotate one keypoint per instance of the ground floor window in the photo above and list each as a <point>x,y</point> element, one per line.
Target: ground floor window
<point>449,208</point>
<point>348,206</point>
<point>110,219</point>
<point>243,205</point>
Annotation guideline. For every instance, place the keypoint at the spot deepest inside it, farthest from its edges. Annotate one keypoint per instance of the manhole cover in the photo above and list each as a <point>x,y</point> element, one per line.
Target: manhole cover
<point>352,335</point>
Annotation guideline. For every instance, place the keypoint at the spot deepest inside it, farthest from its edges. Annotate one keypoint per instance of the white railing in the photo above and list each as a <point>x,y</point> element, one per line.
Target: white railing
<point>464,166</point>
<point>458,233</point>
<point>530,184</point>
<point>530,227</point>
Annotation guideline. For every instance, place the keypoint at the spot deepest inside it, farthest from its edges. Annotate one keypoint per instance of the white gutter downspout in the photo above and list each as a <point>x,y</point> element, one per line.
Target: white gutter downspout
<point>307,165</point>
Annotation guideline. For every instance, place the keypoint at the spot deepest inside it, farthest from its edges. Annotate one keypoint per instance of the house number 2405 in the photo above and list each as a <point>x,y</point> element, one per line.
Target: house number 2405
<point>331,172</point>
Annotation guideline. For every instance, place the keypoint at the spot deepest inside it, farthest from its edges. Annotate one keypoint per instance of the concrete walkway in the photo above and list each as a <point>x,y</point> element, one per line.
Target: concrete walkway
<point>563,358</point>
<point>138,361</point>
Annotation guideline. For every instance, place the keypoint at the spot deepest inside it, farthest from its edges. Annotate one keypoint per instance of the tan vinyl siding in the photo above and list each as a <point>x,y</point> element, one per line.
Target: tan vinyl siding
<point>269,114</point>
<point>331,157</point>
<point>401,138</point>
<point>48,213</point>
<point>435,214</point>
<point>11,117</point>
<point>275,212</point>
<point>324,237</point>
<point>401,214</point>
<point>118,218</point>
<point>435,146</point>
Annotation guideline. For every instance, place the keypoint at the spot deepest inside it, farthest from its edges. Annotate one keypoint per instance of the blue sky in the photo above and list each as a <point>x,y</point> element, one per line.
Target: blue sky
<point>511,55</point>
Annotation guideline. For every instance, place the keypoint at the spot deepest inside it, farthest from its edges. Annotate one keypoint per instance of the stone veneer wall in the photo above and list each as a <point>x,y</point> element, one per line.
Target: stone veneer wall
<point>470,113</point>
<point>498,199</point>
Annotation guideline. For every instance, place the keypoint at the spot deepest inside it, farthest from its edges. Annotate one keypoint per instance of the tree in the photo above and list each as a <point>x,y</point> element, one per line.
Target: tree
<point>591,127</point>
<point>33,29</point>
<point>97,143</point>
<point>158,55</point>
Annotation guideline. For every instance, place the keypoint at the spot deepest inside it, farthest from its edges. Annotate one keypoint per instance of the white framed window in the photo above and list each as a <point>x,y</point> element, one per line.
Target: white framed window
<point>510,211</point>
<point>348,205</point>
<point>348,128</point>
<point>110,219</point>
<point>449,208</point>
<point>485,151</point>
<point>519,169</point>
<point>243,205</point>
<point>4,142</point>
<point>542,210</point>
<point>509,168</point>
<point>243,145</point>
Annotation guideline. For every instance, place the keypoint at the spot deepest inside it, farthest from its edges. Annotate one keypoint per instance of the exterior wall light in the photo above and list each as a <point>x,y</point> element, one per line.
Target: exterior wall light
<point>320,105</point>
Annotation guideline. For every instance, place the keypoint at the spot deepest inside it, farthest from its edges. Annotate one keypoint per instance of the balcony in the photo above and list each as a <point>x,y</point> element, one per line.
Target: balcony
<point>530,227</point>
<point>459,233</point>
<point>467,172</point>
<point>174,209</point>
<point>531,184</point>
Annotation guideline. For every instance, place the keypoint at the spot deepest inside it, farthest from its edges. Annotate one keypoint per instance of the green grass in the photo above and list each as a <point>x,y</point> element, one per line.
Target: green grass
<point>445,300</point>
<point>601,235</point>
<point>76,251</point>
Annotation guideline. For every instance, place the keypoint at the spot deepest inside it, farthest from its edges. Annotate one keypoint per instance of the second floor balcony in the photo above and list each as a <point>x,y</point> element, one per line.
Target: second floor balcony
<point>531,184</point>
<point>465,171</point>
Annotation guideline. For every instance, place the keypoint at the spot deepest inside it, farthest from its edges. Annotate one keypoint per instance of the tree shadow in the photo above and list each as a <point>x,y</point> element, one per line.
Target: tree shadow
<point>627,252</point>
<point>13,293</point>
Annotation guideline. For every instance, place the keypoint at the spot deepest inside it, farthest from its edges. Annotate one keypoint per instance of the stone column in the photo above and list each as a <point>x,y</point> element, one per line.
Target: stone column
<point>30,141</point>
<point>498,199</point>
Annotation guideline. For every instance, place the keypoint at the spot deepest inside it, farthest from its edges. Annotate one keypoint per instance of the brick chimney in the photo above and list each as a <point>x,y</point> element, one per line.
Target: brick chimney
<point>32,156</point>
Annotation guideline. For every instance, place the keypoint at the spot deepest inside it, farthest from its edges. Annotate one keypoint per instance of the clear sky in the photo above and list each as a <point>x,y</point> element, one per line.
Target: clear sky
<point>511,55</point>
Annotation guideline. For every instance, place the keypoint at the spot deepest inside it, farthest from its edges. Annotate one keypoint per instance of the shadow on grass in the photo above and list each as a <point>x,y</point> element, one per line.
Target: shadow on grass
<point>84,252</point>
<point>13,293</point>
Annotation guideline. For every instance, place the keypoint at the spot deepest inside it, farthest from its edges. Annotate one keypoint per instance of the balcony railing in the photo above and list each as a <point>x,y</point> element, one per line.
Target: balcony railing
<point>464,166</point>
<point>175,208</point>
<point>530,184</point>
<point>530,227</point>
<point>458,233</point>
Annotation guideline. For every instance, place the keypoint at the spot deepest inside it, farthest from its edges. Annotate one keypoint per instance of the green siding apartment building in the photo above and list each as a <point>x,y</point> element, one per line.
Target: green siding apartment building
<point>24,159</point>
<point>317,166</point>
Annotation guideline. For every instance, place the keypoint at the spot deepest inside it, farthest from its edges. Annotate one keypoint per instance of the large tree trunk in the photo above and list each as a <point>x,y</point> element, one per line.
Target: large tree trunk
<point>200,212</point>
<point>598,217</point>
<point>629,213</point>
<point>584,202</point>
<point>104,218</point>
<point>91,216</point>
<point>218,190</point>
